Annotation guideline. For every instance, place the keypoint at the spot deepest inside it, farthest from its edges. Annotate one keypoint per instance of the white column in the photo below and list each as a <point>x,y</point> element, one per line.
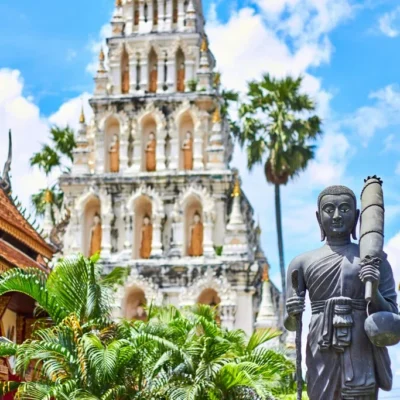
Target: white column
<point>227,312</point>
<point>150,19</point>
<point>198,153</point>
<point>115,73</point>
<point>174,156</point>
<point>168,17</point>
<point>106,234</point>
<point>160,26</point>
<point>144,74</point>
<point>181,16</point>
<point>132,75</point>
<point>100,152</point>
<point>171,73</point>
<point>177,239</point>
<point>123,148</point>
<point>128,225</point>
<point>156,246</point>
<point>208,241</point>
<point>137,155</point>
<point>189,72</point>
<point>77,229</point>
<point>142,24</point>
<point>160,75</point>
<point>244,312</point>
<point>160,153</point>
<point>129,20</point>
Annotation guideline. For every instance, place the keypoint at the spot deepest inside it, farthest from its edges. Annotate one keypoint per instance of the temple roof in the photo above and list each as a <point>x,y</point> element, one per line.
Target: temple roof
<point>16,225</point>
<point>13,257</point>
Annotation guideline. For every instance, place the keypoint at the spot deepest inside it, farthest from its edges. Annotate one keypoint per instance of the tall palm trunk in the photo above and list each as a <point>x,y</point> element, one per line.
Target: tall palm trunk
<point>278,214</point>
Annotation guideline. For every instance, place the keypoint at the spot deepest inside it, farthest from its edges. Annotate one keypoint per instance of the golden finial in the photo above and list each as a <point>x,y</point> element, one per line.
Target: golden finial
<point>101,55</point>
<point>216,116</point>
<point>48,197</point>
<point>265,275</point>
<point>118,3</point>
<point>204,45</point>
<point>236,187</point>
<point>217,79</point>
<point>82,117</point>
<point>258,227</point>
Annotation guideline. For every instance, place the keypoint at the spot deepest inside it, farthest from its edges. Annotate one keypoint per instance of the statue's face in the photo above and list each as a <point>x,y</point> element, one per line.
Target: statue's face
<point>196,218</point>
<point>151,136</point>
<point>115,138</point>
<point>188,135</point>
<point>338,215</point>
<point>146,220</point>
<point>96,219</point>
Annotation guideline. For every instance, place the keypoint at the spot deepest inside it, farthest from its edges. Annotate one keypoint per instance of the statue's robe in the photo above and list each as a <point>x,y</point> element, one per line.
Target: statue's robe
<point>125,80</point>
<point>196,243</point>
<point>341,361</point>
<point>95,240</point>
<point>147,239</point>
<point>181,80</point>
<point>187,149</point>
<point>153,81</point>
<point>151,156</point>
<point>114,157</point>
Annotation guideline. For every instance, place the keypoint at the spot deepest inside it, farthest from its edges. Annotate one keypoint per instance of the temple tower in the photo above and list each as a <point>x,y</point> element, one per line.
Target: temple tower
<point>151,186</point>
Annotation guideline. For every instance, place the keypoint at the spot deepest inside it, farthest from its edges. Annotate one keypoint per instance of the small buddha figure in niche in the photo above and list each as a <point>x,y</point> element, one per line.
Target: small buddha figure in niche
<point>187,148</point>
<point>155,12</point>
<point>146,238</point>
<point>153,79</point>
<point>113,153</point>
<point>151,153</point>
<point>125,76</point>
<point>181,78</point>
<point>136,15</point>
<point>196,237</point>
<point>95,236</point>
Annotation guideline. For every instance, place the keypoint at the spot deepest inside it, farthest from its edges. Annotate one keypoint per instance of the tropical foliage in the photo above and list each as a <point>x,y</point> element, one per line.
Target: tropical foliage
<point>278,128</point>
<point>78,352</point>
<point>55,156</point>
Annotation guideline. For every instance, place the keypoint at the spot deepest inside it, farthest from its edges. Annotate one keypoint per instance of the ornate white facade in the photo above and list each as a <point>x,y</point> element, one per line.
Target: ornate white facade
<point>160,81</point>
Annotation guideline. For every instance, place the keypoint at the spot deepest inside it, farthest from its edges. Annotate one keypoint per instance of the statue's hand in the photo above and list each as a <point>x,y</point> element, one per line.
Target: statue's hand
<point>370,272</point>
<point>295,305</point>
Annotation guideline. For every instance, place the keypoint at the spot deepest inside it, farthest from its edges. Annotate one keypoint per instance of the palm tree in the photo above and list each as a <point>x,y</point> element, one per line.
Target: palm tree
<point>277,130</point>
<point>52,157</point>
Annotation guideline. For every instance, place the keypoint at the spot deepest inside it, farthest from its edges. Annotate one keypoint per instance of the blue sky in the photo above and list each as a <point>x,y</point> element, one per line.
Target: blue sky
<point>348,52</point>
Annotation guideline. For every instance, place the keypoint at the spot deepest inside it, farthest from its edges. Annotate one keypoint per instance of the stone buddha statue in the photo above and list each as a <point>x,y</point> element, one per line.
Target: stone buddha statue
<point>196,237</point>
<point>113,153</point>
<point>95,236</point>
<point>187,148</point>
<point>181,78</point>
<point>136,14</point>
<point>146,238</point>
<point>151,153</point>
<point>342,362</point>
<point>153,79</point>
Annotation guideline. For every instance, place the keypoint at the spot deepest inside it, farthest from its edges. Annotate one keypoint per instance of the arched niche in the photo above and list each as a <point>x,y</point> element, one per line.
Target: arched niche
<point>192,207</point>
<point>149,126</point>
<point>185,129</point>
<point>135,302</point>
<point>209,297</point>
<point>125,84</point>
<point>153,71</point>
<point>111,143</point>
<point>142,208</point>
<point>91,209</point>
<point>180,71</point>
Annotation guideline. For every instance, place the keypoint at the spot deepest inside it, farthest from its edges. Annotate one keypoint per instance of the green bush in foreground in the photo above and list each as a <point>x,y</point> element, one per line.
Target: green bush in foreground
<point>78,352</point>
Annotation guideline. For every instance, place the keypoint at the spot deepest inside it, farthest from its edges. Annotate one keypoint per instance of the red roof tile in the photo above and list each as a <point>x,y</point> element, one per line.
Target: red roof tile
<point>16,257</point>
<point>15,224</point>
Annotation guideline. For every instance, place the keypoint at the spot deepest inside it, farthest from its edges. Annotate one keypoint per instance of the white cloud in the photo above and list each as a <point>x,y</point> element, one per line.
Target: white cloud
<point>389,23</point>
<point>385,111</point>
<point>29,130</point>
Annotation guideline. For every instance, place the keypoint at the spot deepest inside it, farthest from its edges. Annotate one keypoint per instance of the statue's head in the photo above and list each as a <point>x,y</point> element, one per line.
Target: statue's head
<point>182,66</point>
<point>146,220</point>
<point>96,219</point>
<point>188,135</point>
<point>152,136</point>
<point>337,212</point>
<point>115,138</point>
<point>155,67</point>
<point>196,218</point>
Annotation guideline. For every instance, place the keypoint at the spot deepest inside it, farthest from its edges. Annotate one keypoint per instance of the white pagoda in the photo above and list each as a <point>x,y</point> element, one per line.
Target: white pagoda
<point>151,187</point>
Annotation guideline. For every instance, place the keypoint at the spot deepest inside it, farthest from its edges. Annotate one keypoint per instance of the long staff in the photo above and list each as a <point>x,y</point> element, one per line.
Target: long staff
<point>299,329</point>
